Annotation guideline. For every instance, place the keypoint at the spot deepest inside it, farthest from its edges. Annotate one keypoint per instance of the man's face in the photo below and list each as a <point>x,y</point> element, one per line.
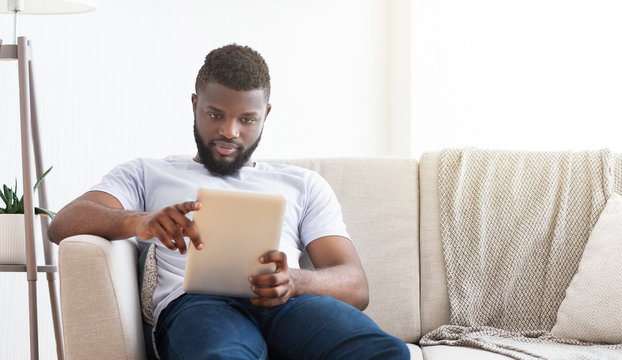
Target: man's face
<point>227,126</point>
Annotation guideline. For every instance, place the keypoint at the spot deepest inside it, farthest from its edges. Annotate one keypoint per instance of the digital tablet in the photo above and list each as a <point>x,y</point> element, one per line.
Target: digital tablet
<point>236,228</point>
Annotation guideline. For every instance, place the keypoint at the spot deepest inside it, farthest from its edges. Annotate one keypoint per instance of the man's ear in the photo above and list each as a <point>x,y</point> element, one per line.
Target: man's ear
<point>195,100</point>
<point>268,108</point>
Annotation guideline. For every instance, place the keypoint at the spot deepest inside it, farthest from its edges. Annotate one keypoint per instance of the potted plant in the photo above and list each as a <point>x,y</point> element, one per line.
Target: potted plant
<point>12,236</point>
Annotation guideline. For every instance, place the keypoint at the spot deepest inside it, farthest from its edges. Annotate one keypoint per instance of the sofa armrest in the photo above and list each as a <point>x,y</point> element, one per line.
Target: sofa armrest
<point>99,299</point>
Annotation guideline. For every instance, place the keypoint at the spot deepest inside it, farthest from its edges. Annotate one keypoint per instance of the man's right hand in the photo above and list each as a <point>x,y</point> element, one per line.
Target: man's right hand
<point>170,225</point>
<point>99,213</point>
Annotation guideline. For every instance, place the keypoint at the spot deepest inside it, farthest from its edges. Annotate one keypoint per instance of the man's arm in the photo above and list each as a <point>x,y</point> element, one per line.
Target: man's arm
<point>338,273</point>
<point>99,213</point>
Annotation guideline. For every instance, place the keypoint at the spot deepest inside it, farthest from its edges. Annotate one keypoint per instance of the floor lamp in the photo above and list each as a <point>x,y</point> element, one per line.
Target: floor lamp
<point>22,52</point>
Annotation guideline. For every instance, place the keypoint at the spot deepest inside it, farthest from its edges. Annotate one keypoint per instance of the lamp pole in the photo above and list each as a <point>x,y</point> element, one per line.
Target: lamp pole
<point>22,52</point>
<point>15,6</point>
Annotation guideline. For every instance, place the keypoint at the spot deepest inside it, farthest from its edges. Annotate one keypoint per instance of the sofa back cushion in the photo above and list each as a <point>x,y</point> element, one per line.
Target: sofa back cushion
<point>379,200</point>
<point>434,298</point>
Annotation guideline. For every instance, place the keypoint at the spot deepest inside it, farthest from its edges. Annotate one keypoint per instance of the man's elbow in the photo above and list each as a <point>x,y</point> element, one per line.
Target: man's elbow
<point>61,227</point>
<point>362,303</point>
<point>362,296</point>
<point>54,234</point>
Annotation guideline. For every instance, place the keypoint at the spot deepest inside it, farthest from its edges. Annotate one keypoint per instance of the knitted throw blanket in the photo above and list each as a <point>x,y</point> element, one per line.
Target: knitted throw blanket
<point>513,227</point>
<point>617,186</point>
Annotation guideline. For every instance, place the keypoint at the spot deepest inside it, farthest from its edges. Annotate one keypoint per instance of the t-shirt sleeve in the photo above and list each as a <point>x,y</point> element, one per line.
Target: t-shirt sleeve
<point>322,212</point>
<point>125,182</point>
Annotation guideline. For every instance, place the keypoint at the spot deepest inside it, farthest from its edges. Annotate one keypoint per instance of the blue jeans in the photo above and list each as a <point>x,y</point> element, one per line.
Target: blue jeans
<point>307,327</point>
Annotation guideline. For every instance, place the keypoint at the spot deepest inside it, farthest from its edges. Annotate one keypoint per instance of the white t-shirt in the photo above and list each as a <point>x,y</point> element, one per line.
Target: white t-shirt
<point>312,210</point>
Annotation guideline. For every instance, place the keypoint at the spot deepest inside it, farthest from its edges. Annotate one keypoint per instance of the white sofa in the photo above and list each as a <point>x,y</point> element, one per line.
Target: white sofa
<point>391,208</point>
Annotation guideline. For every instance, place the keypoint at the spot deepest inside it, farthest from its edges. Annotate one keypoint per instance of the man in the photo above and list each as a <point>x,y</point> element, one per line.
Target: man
<point>296,314</point>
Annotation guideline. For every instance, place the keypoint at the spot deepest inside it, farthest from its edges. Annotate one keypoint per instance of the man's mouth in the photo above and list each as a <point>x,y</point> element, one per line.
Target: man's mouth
<point>225,148</point>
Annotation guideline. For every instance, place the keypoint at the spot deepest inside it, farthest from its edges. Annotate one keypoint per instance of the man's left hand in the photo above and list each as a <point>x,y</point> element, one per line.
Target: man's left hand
<point>275,288</point>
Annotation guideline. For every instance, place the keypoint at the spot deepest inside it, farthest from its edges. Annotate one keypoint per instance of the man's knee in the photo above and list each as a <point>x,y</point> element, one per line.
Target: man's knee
<point>376,345</point>
<point>204,327</point>
<point>335,330</point>
<point>392,348</point>
<point>365,339</point>
<point>233,350</point>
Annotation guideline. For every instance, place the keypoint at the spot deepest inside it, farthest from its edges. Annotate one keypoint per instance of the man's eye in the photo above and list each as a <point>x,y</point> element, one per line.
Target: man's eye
<point>215,116</point>
<point>247,121</point>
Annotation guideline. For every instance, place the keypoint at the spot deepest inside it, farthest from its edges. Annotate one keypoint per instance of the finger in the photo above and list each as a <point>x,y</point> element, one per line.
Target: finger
<point>173,231</point>
<point>269,280</point>
<point>180,242</point>
<point>162,235</point>
<point>268,302</point>
<point>189,229</point>
<point>277,257</point>
<point>193,234</point>
<point>270,292</point>
<point>188,206</point>
<point>177,215</point>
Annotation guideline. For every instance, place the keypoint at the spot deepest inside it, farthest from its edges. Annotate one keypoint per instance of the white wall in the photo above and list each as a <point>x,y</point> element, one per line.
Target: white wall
<point>115,84</point>
<point>532,74</point>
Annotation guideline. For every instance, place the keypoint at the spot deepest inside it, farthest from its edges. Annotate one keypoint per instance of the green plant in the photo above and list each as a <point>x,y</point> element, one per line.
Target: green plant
<point>15,205</point>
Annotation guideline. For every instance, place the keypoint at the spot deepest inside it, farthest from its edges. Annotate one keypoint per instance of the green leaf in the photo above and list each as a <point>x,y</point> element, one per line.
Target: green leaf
<point>13,207</point>
<point>7,191</point>
<point>20,206</point>
<point>15,201</point>
<point>11,204</point>
<point>40,211</point>
<point>6,201</point>
<point>41,178</point>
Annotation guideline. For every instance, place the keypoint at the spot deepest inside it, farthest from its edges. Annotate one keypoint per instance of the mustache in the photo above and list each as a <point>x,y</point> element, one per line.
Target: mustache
<point>227,140</point>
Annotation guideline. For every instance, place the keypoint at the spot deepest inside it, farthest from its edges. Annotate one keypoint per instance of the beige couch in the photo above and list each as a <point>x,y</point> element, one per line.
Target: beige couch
<point>391,208</point>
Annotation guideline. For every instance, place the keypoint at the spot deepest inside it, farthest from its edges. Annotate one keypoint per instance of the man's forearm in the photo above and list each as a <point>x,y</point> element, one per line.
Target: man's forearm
<point>343,282</point>
<point>90,217</point>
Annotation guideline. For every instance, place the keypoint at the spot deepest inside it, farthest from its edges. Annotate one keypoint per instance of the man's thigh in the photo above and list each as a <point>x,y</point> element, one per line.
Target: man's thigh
<point>320,327</point>
<point>208,327</point>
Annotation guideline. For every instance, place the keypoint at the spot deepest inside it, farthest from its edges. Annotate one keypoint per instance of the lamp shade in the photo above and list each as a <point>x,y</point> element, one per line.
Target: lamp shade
<point>43,7</point>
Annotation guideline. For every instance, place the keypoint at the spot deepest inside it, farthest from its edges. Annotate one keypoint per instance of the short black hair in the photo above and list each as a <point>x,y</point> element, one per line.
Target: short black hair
<point>237,67</point>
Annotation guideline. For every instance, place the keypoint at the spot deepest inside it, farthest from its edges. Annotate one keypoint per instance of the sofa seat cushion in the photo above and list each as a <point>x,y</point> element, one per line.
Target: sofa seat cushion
<point>415,352</point>
<point>445,352</point>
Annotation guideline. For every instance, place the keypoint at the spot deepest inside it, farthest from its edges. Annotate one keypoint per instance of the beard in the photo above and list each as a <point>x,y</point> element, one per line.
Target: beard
<point>222,168</point>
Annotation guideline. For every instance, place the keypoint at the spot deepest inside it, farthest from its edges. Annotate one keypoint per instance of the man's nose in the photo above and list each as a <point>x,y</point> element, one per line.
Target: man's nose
<point>229,129</point>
